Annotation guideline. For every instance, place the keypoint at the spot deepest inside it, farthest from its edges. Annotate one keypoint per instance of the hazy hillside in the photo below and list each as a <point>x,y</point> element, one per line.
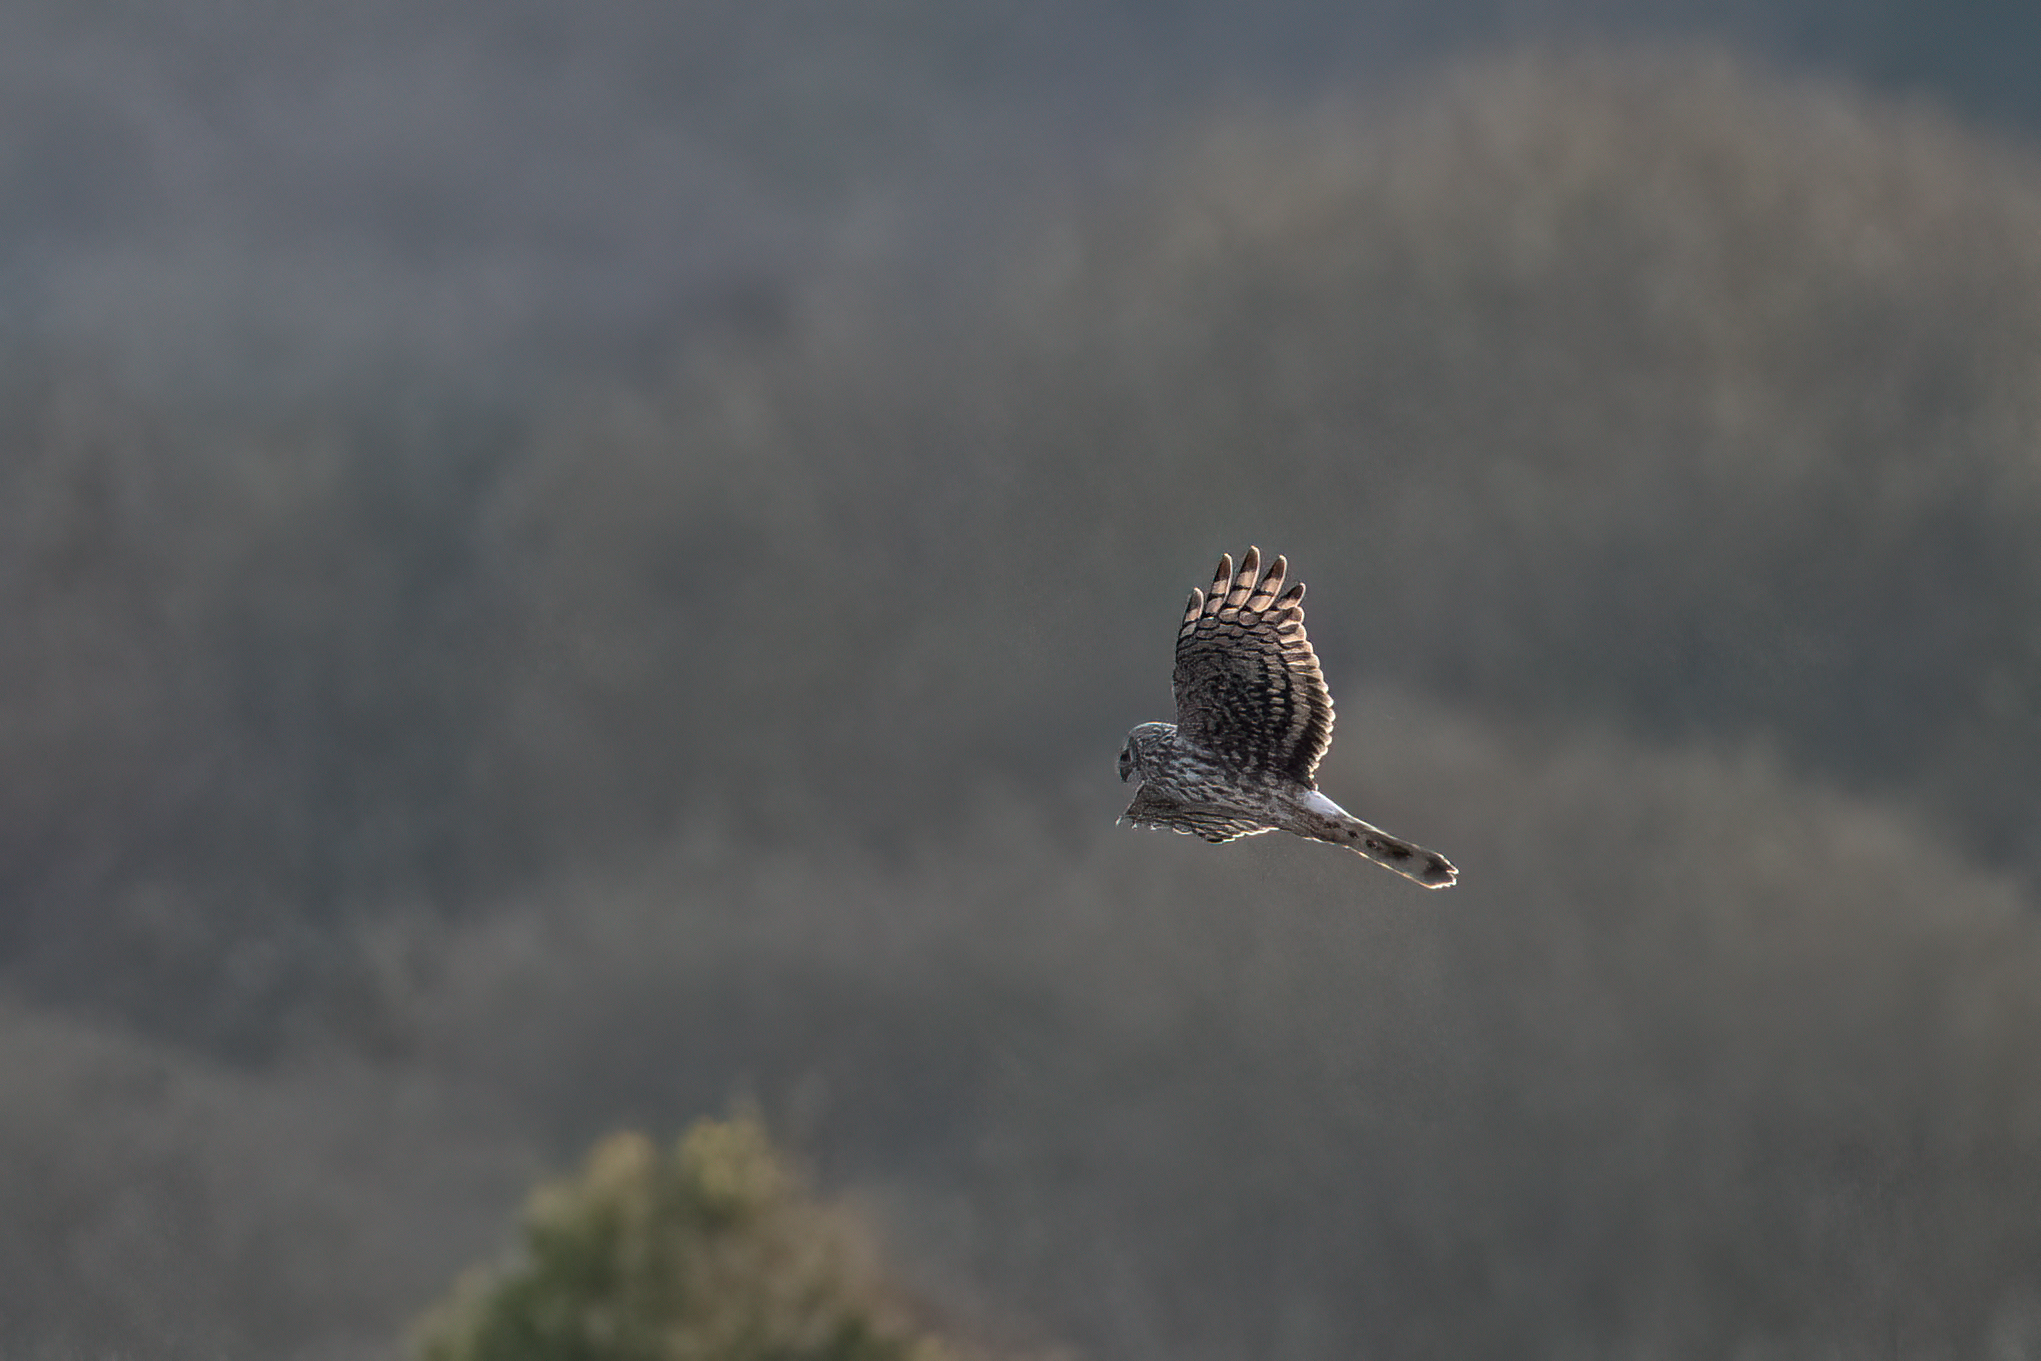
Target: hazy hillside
<point>247,203</point>
<point>403,789</point>
<point>1634,389</point>
<point>1631,391</point>
<point>1698,1057</point>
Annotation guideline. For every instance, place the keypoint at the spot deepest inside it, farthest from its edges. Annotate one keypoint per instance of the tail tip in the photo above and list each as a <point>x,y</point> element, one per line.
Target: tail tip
<point>1435,872</point>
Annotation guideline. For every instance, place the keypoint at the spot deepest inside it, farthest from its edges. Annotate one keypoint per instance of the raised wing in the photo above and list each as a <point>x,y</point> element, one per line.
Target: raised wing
<point>1248,687</point>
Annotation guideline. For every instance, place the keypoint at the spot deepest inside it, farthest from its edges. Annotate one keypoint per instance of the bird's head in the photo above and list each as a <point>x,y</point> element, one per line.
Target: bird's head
<point>1143,740</point>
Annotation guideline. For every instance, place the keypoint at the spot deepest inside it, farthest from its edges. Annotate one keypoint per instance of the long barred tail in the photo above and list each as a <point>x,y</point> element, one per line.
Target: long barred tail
<point>1393,853</point>
<point>1322,819</point>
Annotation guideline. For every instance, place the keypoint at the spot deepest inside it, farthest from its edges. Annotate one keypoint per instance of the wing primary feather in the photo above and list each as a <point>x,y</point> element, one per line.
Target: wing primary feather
<point>1243,580</point>
<point>1222,580</point>
<point>1271,583</point>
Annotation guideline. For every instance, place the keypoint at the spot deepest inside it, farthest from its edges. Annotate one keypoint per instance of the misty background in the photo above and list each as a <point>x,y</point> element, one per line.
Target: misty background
<point>564,567</point>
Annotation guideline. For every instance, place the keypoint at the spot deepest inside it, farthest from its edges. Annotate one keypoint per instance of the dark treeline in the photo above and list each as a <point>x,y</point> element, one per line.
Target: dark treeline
<point>400,793</point>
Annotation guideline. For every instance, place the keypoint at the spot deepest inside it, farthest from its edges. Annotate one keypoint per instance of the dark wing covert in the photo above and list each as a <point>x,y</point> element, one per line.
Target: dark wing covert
<point>1213,823</point>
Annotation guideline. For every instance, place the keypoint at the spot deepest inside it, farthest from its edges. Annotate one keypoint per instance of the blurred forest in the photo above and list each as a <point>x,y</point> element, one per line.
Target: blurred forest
<point>411,777</point>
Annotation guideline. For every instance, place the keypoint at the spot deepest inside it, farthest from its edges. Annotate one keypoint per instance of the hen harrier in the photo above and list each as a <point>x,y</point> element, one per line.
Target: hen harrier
<point>1253,717</point>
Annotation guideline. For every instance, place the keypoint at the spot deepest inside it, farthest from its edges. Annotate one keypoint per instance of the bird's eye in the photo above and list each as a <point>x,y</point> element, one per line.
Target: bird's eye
<point>1126,761</point>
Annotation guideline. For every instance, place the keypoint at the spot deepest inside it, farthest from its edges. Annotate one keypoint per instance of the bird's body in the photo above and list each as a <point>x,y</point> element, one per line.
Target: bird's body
<point>1253,720</point>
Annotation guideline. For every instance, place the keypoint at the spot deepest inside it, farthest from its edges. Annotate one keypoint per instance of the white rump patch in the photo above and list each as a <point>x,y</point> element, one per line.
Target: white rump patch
<point>1318,803</point>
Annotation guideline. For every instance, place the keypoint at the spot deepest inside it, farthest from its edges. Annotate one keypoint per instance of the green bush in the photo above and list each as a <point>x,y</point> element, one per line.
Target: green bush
<point>712,1252</point>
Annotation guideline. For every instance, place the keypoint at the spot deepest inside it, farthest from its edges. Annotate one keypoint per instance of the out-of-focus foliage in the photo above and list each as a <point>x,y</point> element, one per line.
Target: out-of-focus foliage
<point>708,1253</point>
<point>398,797</point>
<point>153,1202</point>
<point>1627,389</point>
<point>1697,1055</point>
<point>1635,388</point>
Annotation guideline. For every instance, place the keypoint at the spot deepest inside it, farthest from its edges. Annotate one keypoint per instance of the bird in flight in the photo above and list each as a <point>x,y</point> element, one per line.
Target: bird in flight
<point>1253,718</point>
